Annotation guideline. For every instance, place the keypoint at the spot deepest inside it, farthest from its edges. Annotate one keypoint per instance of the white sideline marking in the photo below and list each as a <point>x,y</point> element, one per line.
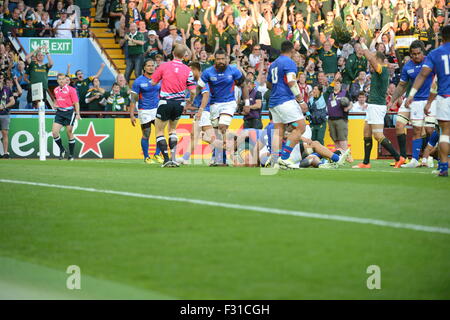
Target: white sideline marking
<point>383,223</point>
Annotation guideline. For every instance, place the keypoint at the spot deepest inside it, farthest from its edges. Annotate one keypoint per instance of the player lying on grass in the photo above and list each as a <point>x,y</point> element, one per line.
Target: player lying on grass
<point>306,149</point>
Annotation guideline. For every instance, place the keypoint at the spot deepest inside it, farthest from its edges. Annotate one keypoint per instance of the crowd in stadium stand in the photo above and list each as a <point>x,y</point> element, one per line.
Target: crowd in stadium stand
<point>326,34</point>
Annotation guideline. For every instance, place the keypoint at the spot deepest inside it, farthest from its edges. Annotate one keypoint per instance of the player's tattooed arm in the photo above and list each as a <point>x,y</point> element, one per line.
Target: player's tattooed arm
<point>399,91</point>
<point>133,99</point>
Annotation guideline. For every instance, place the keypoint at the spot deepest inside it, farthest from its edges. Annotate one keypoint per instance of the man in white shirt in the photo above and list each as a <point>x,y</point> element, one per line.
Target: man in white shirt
<point>360,105</point>
<point>170,40</point>
<point>63,26</point>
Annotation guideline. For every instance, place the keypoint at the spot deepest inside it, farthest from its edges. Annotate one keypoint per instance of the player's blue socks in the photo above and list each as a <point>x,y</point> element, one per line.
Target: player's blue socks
<point>443,167</point>
<point>274,156</point>
<point>287,150</point>
<point>144,146</point>
<point>186,155</point>
<point>416,147</point>
<point>157,151</point>
<point>434,138</point>
<point>219,155</point>
<point>335,157</point>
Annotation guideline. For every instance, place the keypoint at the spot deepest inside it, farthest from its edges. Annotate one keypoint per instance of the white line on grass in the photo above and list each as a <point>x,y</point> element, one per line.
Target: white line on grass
<point>382,223</point>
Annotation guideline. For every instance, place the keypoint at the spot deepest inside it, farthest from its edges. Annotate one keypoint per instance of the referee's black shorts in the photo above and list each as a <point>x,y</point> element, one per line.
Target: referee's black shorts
<point>65,118</point>
<point>169,110</point>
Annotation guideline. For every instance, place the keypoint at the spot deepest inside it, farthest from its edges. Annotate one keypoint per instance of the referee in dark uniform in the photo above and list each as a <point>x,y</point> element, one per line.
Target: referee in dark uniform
<point>67,111</point>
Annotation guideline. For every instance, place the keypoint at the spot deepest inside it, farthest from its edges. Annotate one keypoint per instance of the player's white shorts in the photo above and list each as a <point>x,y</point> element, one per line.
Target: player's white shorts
<point>417,110</point>
<point>418,114</point>
<point>205,119</point>
<point>145,116</point>
<point>443,108</point>
<point>375,114</point>
<point>286,112</point>
<point>218,108</point>
<point>403,108</point>
<point>308,132</point>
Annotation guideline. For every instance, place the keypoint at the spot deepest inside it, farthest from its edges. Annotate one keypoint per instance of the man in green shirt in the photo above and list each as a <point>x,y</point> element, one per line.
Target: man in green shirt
<point>38,70</point>
<point>277,36</point>
<point>183,15</point>
<point>82,85</point>
<point>10,22</point>
<point>135,54</point>
<point>376,109</point>
<point>116,100</point>
<point>85,7</point>
<point>328,56</point>
<point>356,62</point>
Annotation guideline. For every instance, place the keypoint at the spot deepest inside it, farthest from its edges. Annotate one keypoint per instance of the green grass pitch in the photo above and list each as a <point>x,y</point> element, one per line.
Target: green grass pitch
<point>131,247</point>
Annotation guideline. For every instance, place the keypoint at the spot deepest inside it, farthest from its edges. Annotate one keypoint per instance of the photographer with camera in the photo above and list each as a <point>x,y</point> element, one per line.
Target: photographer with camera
<point>338,106</point>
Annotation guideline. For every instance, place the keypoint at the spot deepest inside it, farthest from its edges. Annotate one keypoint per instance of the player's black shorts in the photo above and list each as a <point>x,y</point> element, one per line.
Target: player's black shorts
<point>65,118</point>
<point>169,110</point>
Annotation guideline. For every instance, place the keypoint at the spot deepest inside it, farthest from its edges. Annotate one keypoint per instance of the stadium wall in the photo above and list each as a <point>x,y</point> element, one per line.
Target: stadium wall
<point>118,139</point>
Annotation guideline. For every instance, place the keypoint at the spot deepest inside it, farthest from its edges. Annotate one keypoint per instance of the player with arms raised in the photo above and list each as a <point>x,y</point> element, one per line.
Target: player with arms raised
<point>285,97</point>
<point>376,109</point>
<point>438,61</point>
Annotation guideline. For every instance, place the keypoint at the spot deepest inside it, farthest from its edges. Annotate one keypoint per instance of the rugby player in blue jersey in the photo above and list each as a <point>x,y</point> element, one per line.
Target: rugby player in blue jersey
<point>285,98</point>
<point>415,112</point>
<point>202,126</point>
<point>221,79</point>
<point>438,61</point>
<point>147,97</point>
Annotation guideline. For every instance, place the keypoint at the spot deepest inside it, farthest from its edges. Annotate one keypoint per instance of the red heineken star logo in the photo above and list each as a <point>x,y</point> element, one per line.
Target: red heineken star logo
<point>91,141</point>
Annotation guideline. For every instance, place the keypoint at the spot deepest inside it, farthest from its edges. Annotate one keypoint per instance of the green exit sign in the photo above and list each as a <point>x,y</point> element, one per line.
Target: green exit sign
<point>55,46</point>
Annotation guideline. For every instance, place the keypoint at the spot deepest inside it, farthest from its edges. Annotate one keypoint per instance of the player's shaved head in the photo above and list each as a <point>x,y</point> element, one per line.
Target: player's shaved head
<point>179,51</point>
<point>446,33</point>
<point>287,47</point>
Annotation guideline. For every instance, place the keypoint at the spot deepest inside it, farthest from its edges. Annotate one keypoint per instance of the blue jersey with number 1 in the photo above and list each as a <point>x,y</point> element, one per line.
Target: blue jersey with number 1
<point>438,61</point>
<point>278,71</point>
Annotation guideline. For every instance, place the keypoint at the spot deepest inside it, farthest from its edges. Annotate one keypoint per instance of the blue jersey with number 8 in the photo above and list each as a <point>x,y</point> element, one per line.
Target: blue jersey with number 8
<point>278,71</point>
<point>438,61</point>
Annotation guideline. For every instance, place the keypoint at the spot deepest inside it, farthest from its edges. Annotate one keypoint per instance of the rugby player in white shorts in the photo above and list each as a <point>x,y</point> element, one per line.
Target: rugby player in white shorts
<point>415,112</point>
